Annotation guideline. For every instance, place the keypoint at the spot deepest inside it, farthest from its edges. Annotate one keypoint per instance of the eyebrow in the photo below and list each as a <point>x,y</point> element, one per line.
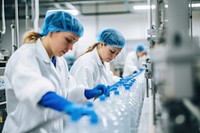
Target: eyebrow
<point>72,38</point>
<point>113,50</point>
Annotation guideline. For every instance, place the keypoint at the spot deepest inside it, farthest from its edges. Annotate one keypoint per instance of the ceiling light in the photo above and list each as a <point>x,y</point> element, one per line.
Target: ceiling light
<point>143,7</point>
<point>196,5</point>
<point>70,6</point>
<point>146,7</point>
<point>58,6</point>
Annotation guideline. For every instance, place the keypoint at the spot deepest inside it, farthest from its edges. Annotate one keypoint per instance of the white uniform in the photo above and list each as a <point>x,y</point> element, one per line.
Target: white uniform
<point>29,75</point>
<point>133,63</point>
<point>90,71</point>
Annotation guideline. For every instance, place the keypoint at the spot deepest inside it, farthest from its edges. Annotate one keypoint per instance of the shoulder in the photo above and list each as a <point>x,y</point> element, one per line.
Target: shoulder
<point>25,51</point>
<point>132,53</point>
<point>87,59</point>
<point>23,57</point>
<point>84,63</point>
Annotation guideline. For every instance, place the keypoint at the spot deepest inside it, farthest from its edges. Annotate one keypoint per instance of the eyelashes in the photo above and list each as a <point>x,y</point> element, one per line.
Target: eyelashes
<point>112,51</point>
<point>68,40</point>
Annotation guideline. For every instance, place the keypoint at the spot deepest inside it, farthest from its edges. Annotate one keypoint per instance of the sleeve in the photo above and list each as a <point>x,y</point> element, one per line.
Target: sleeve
<point>76,94</point>
<point>26,79</point>
<point>113,78</point>
<point>83,74</point>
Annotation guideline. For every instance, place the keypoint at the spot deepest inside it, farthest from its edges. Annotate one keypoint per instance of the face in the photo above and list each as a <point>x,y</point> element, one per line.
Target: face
<point>108,53</point>
<point>141,54</point>
<point>62,42</point>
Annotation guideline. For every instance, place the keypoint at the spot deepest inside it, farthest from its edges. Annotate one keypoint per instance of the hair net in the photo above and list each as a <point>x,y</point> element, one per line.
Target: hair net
<point>140,48</point>
<point>112,38</point>
<point>60,20</point>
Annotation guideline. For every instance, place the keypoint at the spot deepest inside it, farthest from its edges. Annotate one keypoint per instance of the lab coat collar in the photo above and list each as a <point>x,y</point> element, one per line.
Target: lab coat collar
<point>97,58</point>
<point>42,51</point>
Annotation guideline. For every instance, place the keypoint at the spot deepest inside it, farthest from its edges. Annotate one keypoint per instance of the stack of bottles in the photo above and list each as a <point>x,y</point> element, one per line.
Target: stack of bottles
<point>119,112</point>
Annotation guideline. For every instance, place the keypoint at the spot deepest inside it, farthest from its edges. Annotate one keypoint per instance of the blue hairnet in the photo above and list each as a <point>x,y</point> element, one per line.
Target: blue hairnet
<point>59,20</point>
<point>140,48</point>
<point>112,38</point>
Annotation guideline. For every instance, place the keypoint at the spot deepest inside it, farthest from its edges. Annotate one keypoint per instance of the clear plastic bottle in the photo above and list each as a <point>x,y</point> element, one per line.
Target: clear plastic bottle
<point>120,109</point>
<point>108,121</point>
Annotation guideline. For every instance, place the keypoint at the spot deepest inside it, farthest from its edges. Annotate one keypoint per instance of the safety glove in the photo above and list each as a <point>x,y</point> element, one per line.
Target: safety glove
<point>76,111</point>
<point>96,91</point>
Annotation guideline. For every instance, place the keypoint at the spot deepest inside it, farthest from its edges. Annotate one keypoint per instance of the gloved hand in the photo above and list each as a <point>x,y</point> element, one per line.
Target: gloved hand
<point>96,91</point>
<point>56,102</point>
<point>76,111</point>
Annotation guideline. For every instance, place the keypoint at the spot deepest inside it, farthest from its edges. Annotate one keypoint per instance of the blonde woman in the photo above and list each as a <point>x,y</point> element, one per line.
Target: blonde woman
<point>92,67</point>
<point>37,89</point>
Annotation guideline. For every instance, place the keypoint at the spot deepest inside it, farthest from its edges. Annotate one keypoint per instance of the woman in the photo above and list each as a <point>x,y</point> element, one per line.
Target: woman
<point>135,60</point>
<point>37,89</point>
<point>92,67</point>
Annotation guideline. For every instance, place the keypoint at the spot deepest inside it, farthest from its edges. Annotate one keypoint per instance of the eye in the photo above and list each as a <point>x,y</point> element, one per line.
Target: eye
<point>112,52</point>
<point>68,40</point>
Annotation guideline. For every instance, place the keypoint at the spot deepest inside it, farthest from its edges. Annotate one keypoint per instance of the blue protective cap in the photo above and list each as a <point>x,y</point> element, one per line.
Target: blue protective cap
<point>112,38</point>
<point>140,48</point>
<point>94,119</point>
<point>60,20</point>
<point>116,92</point>
<point>89,104</point>
<point>127,86</point>
<point>102,98</point>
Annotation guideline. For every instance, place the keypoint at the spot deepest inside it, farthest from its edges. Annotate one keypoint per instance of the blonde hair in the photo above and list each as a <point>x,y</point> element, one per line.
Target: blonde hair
<point>91,48</point>
<point>31,37</point>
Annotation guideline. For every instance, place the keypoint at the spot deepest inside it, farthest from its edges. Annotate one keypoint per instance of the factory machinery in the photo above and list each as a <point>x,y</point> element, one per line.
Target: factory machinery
<point>173,70</point>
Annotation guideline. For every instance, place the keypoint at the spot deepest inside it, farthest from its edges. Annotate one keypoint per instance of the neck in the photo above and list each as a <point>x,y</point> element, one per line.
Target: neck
<point>46,44</point>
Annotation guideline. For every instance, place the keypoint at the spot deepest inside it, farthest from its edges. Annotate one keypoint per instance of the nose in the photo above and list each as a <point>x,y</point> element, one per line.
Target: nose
<point>70,46</point>
<point>114,56</point>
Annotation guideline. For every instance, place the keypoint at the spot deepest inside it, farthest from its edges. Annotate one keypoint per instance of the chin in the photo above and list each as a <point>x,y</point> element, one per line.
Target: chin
<point>62,53</point>
<point>59,55</point>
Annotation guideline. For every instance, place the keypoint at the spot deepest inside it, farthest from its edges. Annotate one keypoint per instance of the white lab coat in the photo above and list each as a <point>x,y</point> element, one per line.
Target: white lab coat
<point>30,74</point>
<point>133,63</point>
<point>90,71</point>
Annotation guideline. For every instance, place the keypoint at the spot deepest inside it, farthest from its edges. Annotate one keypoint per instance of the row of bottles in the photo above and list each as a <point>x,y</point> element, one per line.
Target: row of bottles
<point>119,112</point>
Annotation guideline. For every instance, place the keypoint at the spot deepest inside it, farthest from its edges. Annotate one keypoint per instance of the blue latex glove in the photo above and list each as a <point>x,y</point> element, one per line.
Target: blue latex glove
<point>96,91</point>
<point>56,102</point>
<point>76,111</point>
